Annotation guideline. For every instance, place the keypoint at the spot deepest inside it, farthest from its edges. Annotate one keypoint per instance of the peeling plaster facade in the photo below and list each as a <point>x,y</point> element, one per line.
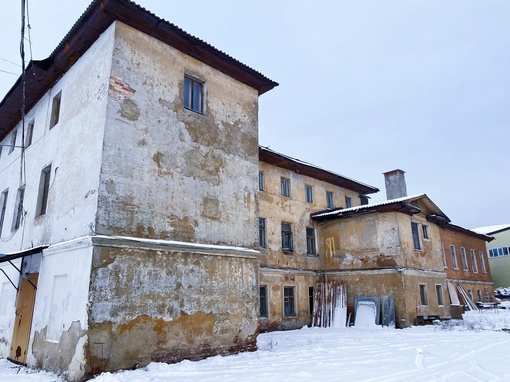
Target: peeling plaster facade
<point>148,244</point>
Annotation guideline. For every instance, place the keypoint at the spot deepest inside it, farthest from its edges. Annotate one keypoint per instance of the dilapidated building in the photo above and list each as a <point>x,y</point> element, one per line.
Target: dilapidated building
<point>129,199</point>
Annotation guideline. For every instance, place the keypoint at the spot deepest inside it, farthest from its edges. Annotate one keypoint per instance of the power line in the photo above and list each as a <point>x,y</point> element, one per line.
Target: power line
<point>10,62</point>
<point>5,71</point>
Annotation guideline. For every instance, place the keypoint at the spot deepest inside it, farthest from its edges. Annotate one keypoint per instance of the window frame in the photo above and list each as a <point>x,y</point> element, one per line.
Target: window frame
<point>189,91</point>
<point>14,137</point>
<point>287,237</point>
<point>463,257</point>
<point>262,232</point>
<point>311,299</point>
<point>443,255</point>
<point>30,133</point>
<point>56,106</point>
<point>482,262</point>
<point>474,264</point>
<point>44,189</point>
<point>455,264</point>
<point>415,234</point>
<point>330,199</point>
<point>348,202</point>
<point>285,186</point>
<point>425,231</point>
<point>308,193</point>
<point>3,208</point>
<point>439,295</point>
<point>423,295</point>
<point>289,301</point>
<point>262,183</point>
<point>263,302</point>
<point>18,210</point>
<point>311,241</point>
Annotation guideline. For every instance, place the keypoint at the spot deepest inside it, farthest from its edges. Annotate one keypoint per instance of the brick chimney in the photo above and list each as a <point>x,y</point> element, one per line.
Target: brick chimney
<point>395,183</point>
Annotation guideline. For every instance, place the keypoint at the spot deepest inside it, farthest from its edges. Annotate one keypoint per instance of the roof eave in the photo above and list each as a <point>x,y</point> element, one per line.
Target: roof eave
<point>41,75</point>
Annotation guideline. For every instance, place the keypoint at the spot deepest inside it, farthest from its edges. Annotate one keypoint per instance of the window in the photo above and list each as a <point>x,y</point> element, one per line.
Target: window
<point>263,300</point>
<point>443,256</point>
<point>470,293</point>
<point>454,257</point>
<point>416,236</point>
<point>289,308</point>
<point>55,110</point>
<point>473,261</point>
<point>3,205</point>
<point>439,294</point>
<point>261,181</point>
<point>464,258</point>
<point>311,248</point>
<point>18,211</point>
<point>482,262</point>
<point>285,186</point>
<point>310,300</point>
<point>309,193</point>
<point>425,231</point>
<point>44,186</point>
<point>479,294</point>
<point>363,199</point>
<point>30,133</point>
<point>286,237</point>
<point>193,94</point>
<point>330,201</point>
<point>262,232</point>
<point>348,202</point>
<point>423,294</point>
<point>13,140</point>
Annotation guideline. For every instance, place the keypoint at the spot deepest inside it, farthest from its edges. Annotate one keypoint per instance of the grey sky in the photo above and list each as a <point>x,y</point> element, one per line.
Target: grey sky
<point>365,86</point>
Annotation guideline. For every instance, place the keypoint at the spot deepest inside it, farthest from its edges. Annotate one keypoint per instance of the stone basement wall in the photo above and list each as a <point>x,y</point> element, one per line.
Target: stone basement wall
<point>170,302</point>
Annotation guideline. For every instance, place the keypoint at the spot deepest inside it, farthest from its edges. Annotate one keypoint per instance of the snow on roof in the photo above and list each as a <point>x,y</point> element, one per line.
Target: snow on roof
<point>340,211</point>
<point>491,229</point>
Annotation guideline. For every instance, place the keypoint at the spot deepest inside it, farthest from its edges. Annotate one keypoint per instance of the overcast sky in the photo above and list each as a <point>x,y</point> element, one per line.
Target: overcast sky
<point>365,86</point>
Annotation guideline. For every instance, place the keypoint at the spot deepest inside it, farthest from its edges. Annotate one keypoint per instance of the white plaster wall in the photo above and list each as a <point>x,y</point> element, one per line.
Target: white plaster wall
<point>73,147</point>
<point>72,259</point>
<point>7,305</point>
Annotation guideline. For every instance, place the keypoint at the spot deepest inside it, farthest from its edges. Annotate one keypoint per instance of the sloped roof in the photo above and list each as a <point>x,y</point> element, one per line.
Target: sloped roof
<point>41,75</point>
<point>277,159</point>
<point>458,228</point>
<point>492,229</point>
<point>406,204</point>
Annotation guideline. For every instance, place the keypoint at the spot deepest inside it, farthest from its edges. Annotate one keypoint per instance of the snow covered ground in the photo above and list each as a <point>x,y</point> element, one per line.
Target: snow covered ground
<point>476,349</point>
